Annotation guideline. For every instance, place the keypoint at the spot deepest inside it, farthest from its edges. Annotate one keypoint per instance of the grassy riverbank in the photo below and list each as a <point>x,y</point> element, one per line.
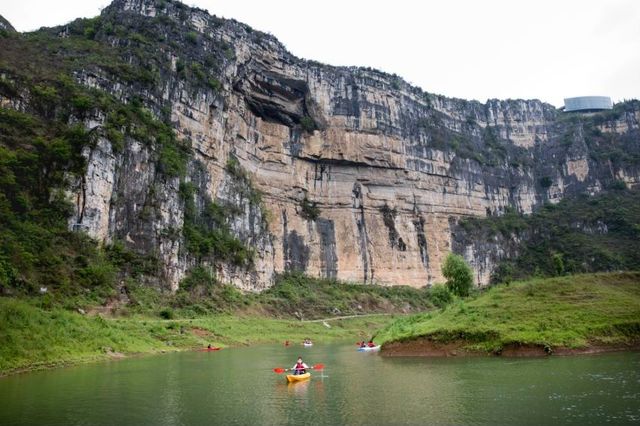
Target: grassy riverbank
<point>571,313</point>
<point>40,331</point>
<point>34,338</point>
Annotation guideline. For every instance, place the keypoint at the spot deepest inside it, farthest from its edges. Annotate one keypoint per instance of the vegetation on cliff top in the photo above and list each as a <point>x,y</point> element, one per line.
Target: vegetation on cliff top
<point>564,312</point>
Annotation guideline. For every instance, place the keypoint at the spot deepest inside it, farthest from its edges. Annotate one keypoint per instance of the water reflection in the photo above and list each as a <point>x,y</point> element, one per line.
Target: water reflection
<point>298,389</point>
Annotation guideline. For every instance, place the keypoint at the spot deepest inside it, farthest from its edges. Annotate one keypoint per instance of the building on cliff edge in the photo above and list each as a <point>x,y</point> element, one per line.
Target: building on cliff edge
<point>587,103</point>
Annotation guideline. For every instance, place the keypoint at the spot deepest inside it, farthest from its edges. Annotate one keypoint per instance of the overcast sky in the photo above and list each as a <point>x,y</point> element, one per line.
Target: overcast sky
<point>545,49</point>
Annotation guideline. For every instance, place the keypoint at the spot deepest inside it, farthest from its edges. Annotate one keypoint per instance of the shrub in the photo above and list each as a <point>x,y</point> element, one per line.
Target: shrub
<point>198,71</point>
<point>192,37</point>
<point>231,295</point>
<point>235,169</point>
<point>440,295</point>
<point>82,103</point>
<point>558,263</point>
<point>90,32</point>
<point>173,160</point>
<point>618,185</point>
<point>198,276</point>
<point>310,209</point>
<point>180,65</point>
<point>214,84</point>
<point>229,53</point>
<point>166,314</point>
<point>545,182</point>
<point>503,273</point>
<point>7,274</point>
<point>458,274</point>
<point>307,124</point>
<point>138,38</point>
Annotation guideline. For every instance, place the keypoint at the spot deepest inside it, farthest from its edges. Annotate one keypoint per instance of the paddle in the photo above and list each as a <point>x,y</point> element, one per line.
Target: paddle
<point>282,370</point>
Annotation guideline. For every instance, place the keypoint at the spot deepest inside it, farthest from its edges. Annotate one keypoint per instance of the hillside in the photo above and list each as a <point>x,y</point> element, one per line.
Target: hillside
<point>579,313</point>
<point>577,235</point>
<point>157,140</point>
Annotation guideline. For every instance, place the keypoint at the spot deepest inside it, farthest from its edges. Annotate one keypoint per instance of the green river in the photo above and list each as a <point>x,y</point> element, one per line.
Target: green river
<point>238,386</point>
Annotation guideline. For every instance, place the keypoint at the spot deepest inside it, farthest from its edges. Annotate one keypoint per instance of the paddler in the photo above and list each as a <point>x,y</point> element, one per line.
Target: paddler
<point>300,367</point>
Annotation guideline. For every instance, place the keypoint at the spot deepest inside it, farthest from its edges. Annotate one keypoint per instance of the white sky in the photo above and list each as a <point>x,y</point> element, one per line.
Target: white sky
<point>472,49</point>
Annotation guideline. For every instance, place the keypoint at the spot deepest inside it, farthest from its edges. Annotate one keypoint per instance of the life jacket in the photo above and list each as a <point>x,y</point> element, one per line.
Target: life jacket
<point>371,344</point>
<point>300,368</point>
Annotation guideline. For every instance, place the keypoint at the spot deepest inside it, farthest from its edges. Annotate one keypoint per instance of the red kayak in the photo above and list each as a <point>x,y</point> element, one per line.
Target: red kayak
<point>210,349</point>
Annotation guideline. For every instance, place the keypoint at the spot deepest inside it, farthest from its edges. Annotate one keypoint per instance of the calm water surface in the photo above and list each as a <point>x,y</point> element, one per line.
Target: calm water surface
<point>237,386</point>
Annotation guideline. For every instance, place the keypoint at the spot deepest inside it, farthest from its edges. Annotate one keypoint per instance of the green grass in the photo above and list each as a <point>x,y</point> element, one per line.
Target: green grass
<point>318,298</point>
<point>41,331</point>
<point>569,312</point>
<point>32,337</point>
<point>293,296</point>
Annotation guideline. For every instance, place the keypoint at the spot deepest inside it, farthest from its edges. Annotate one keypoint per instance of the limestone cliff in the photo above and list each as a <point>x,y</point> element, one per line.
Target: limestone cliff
<point>6,25</point>
<point>361,176</point>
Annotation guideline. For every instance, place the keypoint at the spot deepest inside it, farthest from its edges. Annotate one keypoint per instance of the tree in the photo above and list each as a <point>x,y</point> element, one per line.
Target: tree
<point>458,274</point>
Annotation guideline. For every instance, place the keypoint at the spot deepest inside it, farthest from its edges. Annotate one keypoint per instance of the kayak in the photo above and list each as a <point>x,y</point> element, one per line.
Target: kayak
<point>210,349</point>
<point>369,349</point>
<point>307,345</point>
<point>298,377</point>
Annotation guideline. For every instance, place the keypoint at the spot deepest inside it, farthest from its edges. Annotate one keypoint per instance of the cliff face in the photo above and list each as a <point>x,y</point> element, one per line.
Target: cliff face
<point>361,176</point>
<point>6,25</point>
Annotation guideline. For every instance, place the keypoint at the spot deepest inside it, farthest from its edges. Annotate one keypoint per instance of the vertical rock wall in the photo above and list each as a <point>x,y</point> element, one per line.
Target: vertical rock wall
<point>389,167</point>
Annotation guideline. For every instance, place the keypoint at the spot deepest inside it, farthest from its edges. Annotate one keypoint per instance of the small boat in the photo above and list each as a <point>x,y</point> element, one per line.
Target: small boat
<point>298,377</point>
<point>369,349</point>
<point>307,345</point>
<point>210,349</point>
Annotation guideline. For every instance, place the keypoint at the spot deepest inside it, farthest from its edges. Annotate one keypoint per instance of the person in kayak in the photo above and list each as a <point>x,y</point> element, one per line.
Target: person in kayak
<point>300,367</point>
<point>371,344</point>
<point>363,344</point>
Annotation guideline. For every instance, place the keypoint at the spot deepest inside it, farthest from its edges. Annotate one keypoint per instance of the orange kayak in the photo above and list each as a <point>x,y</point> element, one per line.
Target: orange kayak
<point>298,377</point>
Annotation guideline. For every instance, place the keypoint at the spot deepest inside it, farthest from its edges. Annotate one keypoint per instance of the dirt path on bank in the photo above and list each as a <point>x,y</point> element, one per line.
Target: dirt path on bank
<point>111,317</point>
<point>347,317</point>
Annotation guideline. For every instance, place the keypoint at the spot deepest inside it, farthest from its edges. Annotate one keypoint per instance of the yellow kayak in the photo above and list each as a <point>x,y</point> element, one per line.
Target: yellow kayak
<point>298,377</point>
